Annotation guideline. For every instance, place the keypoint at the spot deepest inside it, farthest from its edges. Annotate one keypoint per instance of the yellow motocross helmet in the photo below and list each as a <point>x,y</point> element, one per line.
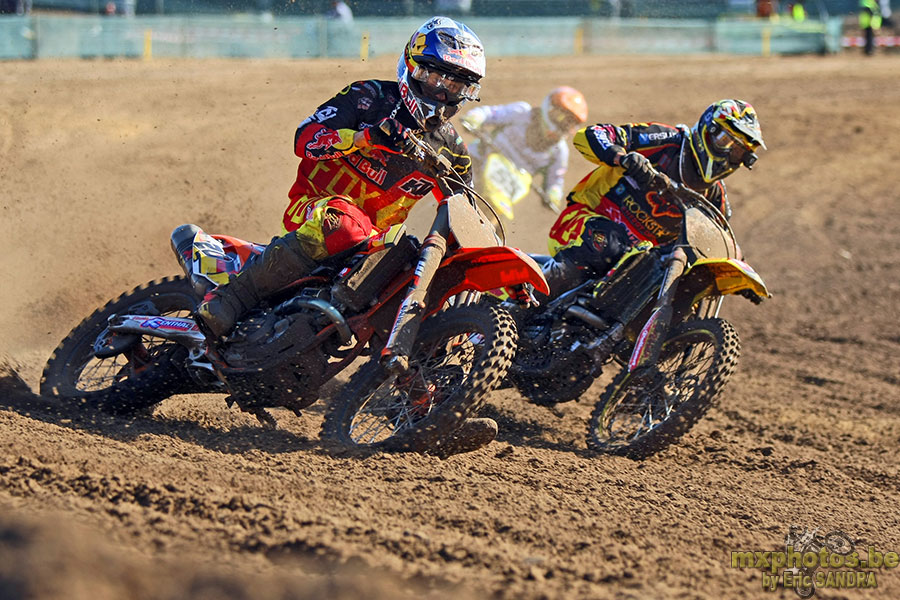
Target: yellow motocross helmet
<point>726,137</point>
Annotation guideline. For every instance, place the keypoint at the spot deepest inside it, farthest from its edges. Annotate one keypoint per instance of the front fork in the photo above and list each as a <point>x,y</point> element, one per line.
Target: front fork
<point>395,356</point>
<point>653,334</point>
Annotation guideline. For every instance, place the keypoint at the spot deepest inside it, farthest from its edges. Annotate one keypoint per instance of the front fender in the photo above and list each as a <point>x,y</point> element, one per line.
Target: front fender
<point>726,276</point>
<point>497,266</point>
<point>485,269</point>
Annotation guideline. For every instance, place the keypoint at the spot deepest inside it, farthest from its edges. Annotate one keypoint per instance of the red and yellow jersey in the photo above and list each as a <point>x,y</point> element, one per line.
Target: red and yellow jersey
<point>384,185</point>
<point>608,192</point>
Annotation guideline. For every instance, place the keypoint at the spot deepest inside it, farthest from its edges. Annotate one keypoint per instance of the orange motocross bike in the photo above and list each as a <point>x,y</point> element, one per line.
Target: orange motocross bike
<point>412,307</point>
<point>655,317</point>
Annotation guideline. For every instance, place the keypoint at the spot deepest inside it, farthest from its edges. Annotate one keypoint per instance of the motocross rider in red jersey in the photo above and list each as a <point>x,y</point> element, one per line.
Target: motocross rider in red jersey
<point>354,188</point>
<point>613,207</point>
<point>353,183</point>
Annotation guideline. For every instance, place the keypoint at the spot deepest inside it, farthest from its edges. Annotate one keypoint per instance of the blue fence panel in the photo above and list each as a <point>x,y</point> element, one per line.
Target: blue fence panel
<point>527,37</point>
<point>785,37</point>
<point>386,37</point>
<point>17,37</point>
<point>420,9</point>
<point>649,36</point>
<point>259,36</point>
<point>86,37</point>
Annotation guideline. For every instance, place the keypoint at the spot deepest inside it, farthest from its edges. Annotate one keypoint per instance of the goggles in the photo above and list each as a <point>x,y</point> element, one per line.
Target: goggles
<point>724,144</point>
<point>444,87</point>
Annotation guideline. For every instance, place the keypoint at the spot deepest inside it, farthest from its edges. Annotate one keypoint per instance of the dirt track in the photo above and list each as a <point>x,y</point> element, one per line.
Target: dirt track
<point>100,160</point>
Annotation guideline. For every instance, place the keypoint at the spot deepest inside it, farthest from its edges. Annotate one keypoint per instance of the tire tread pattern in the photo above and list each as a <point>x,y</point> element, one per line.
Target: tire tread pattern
<point>134,394</point>
<point>690,411</point>
<point>441,424</point>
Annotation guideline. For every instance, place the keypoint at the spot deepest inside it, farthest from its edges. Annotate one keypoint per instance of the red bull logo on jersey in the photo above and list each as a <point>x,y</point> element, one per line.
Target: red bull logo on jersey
<point>367,169</point>
<point>408,99</point>
<point>324,138</point>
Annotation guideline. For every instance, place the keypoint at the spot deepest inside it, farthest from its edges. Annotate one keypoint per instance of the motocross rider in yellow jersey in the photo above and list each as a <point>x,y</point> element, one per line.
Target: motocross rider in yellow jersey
<point>613,207</point>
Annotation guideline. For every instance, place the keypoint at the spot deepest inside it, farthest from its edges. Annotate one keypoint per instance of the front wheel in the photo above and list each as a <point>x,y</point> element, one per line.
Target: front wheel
<point>460,355</point>
<point>131,381</point>
<point>637,417</point>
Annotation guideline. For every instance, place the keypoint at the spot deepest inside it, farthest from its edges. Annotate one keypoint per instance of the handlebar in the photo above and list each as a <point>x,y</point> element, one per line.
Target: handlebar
<point>415,148</point>
<point>682,195</point>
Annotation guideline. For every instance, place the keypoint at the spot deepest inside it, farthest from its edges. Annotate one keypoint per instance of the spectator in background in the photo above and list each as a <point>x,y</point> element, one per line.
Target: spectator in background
<point>765,9</point>
<point>340,12</point>
<point>869,22</point>
<point>797,11</point>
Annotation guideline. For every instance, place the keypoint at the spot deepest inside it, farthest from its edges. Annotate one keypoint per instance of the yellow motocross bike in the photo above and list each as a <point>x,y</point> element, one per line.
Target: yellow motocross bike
<point>654,315</point>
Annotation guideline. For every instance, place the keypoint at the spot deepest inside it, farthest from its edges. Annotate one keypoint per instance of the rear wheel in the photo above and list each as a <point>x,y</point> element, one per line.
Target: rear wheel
<point>460,355</point>
<point>549,375</point>
<point>637,417</point>
<point>144,374</point>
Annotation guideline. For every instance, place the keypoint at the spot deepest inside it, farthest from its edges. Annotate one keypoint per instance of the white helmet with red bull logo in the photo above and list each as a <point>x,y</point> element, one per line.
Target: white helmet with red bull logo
<point>439,71</point>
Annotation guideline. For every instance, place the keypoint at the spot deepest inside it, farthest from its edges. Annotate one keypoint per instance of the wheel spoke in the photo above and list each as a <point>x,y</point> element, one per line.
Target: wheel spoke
<point>96,374</point>
<point>440,367</point>
<point>642,408</point>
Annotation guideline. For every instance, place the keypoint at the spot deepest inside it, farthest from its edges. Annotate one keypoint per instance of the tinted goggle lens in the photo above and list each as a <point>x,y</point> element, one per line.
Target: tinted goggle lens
<point>725,144</point>
<point>455,89</point>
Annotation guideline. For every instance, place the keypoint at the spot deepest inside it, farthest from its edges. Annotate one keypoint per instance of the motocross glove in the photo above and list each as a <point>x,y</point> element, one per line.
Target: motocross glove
<point>638,168</point>
<point>388,135</point>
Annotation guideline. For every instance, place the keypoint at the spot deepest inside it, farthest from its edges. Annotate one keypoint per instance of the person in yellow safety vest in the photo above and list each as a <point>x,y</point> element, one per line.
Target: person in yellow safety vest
<point>869,22</point>
<point>798,11</point>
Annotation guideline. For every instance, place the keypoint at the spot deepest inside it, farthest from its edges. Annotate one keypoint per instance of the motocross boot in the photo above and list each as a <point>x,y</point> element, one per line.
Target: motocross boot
<point>473,435</point>
<point>282,262</point>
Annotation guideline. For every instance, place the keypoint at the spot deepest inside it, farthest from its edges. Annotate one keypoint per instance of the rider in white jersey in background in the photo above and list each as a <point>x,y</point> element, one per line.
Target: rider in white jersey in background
<point>534,138</point>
